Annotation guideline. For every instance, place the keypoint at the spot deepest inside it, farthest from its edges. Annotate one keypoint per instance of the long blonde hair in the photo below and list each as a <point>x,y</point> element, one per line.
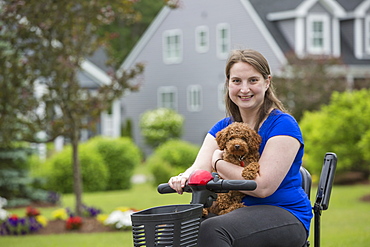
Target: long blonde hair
<point>259,62</point>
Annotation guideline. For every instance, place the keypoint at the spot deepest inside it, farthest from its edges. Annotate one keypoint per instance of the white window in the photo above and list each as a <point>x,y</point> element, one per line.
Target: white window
<point>167,97</point>
<point>367,34</point>
<point>223,40</point>
<point>318,34</point>
<point>172,46</point>
<point>202,39</point>
<point>221,96</point>
<point>194,98</point>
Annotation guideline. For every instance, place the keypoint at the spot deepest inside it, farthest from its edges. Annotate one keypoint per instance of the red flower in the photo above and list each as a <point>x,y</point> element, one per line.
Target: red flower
<point>32,212</point>
<point>13,217</point>
<point>74,222</point>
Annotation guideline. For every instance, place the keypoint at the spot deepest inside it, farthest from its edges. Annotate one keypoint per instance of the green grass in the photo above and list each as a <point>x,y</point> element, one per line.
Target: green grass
<point>345,223</point>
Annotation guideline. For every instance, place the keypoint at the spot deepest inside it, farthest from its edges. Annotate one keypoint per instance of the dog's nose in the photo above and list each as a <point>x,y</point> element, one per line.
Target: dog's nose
<point>237,147</point>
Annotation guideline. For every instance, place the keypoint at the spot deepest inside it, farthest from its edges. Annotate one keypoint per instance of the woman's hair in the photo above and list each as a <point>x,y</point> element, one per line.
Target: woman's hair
<point>259,62</point>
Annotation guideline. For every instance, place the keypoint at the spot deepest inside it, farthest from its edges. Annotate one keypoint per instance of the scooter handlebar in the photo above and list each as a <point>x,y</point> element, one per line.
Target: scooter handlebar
<point>231,185</point>
<point>165,189</point>
<point>217,187</point>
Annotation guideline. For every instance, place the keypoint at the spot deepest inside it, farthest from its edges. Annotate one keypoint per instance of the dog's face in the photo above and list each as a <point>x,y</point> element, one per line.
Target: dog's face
<point>238,139</point>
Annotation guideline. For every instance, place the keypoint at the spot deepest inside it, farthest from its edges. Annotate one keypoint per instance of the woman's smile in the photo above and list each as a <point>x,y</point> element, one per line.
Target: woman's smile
<point>247,86</point>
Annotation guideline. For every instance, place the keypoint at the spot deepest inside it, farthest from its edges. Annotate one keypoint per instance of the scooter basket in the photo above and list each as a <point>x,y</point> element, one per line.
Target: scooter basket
<point>165,226</point>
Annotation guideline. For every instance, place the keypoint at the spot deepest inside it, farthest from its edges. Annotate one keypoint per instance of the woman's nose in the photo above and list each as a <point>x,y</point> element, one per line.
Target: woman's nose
<point>244,88</point>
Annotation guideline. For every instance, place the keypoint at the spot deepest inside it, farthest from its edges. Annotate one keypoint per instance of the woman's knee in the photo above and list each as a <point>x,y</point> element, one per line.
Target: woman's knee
<point>213,232</point>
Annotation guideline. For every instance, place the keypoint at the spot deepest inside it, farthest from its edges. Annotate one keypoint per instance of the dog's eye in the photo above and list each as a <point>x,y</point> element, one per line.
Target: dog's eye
<point>244,139</point>
<point>232,138</point>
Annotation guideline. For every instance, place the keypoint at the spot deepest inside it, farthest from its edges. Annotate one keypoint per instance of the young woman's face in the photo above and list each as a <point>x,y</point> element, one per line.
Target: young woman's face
<point>247,86</point>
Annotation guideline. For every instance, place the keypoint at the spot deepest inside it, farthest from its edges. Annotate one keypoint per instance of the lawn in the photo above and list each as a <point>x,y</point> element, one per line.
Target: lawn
<point>345,223</point>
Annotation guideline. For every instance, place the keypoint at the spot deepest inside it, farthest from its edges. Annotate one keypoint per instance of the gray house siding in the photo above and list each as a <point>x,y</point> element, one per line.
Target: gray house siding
<point>271,27</point>
<point>204,69</point>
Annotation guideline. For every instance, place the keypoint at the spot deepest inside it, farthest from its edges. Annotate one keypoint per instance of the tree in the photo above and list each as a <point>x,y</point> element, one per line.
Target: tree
<point>306,84</point>
<point>341,127</point>
<point>45,42</point>
<point>124,35</point>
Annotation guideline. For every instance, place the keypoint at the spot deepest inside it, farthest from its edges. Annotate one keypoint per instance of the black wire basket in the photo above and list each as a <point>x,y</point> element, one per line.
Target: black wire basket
<point>165,226</point>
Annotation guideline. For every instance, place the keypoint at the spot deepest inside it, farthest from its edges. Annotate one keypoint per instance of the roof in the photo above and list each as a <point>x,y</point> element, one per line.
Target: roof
<point>264,7</point>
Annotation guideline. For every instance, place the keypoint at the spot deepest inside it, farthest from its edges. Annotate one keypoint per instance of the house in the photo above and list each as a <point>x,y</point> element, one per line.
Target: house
<point>185,50</point>
<point>92,75</point>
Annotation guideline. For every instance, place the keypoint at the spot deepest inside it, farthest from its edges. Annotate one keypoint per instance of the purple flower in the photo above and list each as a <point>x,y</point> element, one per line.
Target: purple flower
<point>90,211</point>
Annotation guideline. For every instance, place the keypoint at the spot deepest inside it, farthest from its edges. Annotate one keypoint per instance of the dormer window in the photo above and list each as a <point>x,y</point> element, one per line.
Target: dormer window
<point>318,34</point>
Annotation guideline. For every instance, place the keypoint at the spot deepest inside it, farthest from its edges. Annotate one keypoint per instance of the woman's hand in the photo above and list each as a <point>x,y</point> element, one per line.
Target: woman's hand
<point>178,182</point>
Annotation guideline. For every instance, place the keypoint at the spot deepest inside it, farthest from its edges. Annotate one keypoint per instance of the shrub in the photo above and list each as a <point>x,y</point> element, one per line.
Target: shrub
<point>93,170</point>
<point>160,125</point>
<point>120,156</point>
<point>160,169</point>
<point>339,127</point>
<point>15,183</point>
<point>170,158</point>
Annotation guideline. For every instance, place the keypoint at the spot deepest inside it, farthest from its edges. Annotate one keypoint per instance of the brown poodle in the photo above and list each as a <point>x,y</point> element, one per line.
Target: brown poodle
<point>240,144</point>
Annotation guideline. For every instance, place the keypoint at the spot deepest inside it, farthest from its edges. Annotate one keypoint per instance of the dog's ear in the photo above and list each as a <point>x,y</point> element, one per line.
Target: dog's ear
<point>220,139</point>
<point>254,139</point>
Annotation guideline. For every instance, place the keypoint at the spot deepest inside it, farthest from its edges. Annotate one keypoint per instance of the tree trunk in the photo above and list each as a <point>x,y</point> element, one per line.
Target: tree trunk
<point>77,177</point>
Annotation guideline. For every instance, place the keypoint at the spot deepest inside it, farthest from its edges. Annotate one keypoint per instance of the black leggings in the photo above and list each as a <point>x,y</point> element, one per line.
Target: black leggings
<point>256,226</point>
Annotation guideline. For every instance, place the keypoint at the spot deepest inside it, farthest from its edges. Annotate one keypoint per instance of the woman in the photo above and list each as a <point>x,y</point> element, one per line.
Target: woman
<point>278,212</point>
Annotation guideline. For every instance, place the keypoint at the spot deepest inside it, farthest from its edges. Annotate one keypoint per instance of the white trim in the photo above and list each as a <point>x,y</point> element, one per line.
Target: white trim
<point>325,19</point>
<point>198,30</point>
<point>190,102</point>
<point>304,7</point>
<point>221,41</point>
<point>282,15</point>
<point>145,38</point>
<point>361,10</point>
<point>95,71</point>
<point>221,96</point>
<point>299,37</point>
<point>178,46</point>
<point>367,34</point>
<point>337,10</point>
<point>302,10</point>
<point>358,36</point>
<point>111,123</point>
<point>167,89</point>
<point>264,31</point>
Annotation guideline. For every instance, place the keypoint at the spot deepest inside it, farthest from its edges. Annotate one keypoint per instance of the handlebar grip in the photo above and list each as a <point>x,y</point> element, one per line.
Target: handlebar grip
<point>239,185</point>
<point>225,185</point>
<point>165,189</point>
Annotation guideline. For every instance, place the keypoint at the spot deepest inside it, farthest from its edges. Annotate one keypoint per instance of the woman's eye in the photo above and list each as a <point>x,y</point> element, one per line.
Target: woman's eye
<point>236,81</point>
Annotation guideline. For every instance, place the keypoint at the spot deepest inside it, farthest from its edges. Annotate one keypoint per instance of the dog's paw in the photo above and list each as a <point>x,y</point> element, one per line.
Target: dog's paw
<point>250,172</point>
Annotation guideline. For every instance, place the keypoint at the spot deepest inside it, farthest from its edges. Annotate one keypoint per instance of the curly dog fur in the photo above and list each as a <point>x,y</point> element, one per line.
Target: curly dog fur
<point>240,144</point>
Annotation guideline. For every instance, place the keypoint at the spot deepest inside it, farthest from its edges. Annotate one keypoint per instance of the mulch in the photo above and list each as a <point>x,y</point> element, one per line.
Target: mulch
<point>89,225</point>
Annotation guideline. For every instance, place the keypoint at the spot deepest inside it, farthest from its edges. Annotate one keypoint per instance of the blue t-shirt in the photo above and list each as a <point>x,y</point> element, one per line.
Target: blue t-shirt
<point>289,194</point>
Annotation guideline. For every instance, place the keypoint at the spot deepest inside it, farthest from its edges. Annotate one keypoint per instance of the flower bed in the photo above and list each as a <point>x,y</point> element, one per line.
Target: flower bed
<point>65,221</point>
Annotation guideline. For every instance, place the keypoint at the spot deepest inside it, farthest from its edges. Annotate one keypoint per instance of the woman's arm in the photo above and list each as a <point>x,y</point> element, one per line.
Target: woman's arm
<point>275,162</point>
<point>203,161</point>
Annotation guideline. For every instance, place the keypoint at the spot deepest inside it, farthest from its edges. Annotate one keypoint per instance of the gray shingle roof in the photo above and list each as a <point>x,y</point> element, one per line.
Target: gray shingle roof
<point>264,7</point>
